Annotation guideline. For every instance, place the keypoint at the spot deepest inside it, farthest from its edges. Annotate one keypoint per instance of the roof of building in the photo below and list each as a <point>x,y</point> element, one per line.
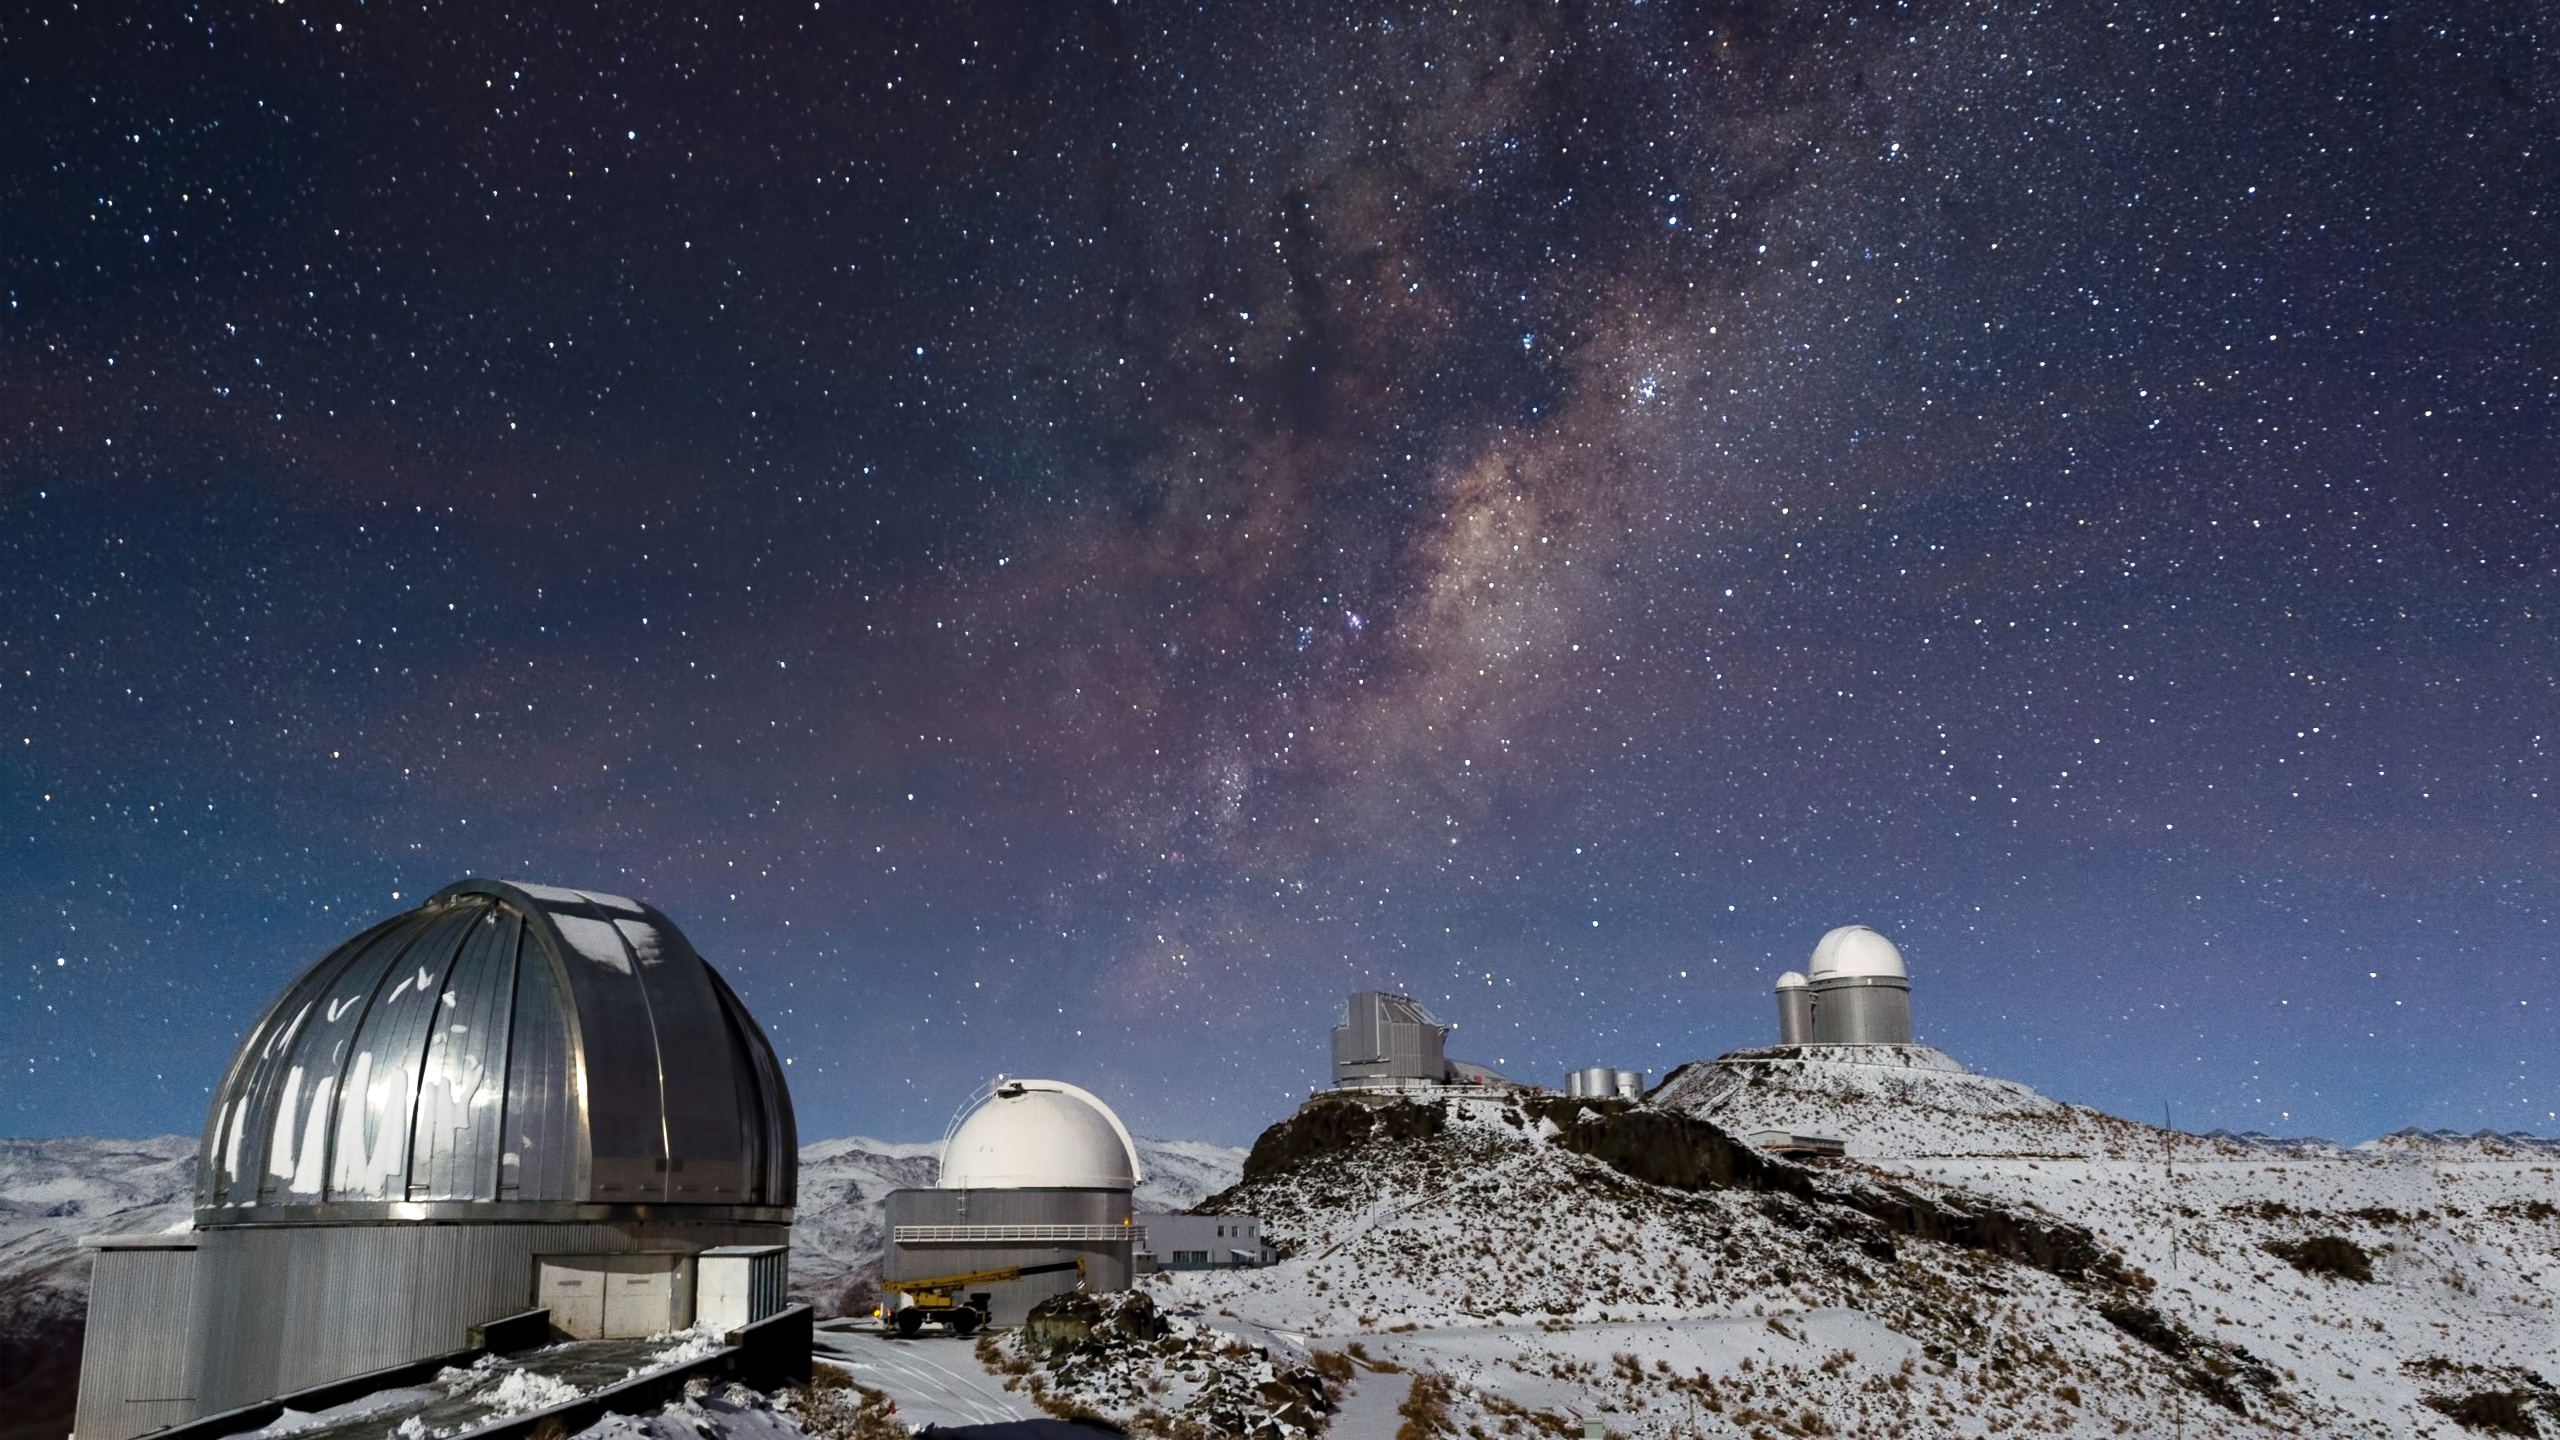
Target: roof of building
<point>1854,951</point>
<point>1384,1007</point>
<point>1791,981</point>
<point>1040,1135</point>
<point>502,1048</point>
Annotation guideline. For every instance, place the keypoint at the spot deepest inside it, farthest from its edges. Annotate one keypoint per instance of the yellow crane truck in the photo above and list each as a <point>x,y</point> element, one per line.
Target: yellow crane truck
<point>937,1299</point>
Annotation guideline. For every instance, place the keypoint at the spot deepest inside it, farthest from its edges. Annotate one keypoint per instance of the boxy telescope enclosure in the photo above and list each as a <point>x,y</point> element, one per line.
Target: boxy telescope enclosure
<point>1389,1040</point>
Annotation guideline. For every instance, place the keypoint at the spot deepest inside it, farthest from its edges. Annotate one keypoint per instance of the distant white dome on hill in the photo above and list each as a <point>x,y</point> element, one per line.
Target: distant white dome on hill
<point>1855,950</point>
<point>1040,1135</point>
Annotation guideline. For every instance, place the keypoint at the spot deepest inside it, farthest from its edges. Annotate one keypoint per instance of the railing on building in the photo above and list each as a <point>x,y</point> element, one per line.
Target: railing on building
<point>984,1234</point>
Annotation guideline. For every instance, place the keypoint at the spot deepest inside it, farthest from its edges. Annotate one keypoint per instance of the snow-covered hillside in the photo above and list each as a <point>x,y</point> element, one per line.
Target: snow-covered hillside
<point>1987,1260</point>
<point>2457,1233</point>
<point>1181,1173</point>
<point>52,1192</point>
<point>836,1241</point>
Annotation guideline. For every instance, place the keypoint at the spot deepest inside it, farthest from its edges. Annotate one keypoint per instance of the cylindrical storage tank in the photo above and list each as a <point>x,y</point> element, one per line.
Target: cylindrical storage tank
<point>1596,1082</point>
<point>1630,1085</point>
<point>1860,989</point>
<point>1795,1010</point>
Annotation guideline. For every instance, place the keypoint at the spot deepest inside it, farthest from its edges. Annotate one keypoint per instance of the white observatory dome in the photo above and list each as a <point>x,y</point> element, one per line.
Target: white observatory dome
<point>1854,951</point>
<point>1791,981</point>
<point>1040,1135</point>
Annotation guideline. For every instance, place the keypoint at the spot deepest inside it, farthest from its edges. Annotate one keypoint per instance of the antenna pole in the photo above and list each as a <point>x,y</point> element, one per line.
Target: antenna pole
<point>2169,1172</point>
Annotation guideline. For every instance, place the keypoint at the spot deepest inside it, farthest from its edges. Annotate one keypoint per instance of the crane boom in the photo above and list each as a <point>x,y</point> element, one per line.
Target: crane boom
<point>980,1277</point>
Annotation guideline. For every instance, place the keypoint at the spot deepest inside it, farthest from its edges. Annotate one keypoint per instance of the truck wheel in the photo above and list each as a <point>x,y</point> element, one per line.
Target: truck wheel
<point>965,1322</point>
<point>909,1322</point>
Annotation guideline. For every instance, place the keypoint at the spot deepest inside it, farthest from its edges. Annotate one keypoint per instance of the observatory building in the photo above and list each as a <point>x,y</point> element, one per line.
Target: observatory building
<point>1389,1042</point>
<point>503,1099</point>
<point>1037,1177</point>
<point>1856,992</point>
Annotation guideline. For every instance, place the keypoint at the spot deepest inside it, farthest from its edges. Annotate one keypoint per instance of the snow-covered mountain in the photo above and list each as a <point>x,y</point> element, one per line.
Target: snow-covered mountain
<point>1179,1174</point>
<point>1985,1260</point>
<point>52,1192</point>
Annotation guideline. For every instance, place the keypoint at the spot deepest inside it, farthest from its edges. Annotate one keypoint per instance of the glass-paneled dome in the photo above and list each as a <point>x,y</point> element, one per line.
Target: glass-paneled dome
<point>503,1051</point>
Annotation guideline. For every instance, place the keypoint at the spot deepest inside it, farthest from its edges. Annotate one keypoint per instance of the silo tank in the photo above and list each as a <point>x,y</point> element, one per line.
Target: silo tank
<point>1795,1010</point>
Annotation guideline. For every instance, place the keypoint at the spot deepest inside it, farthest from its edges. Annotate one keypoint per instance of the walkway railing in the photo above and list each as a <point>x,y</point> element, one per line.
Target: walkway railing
<point>1086,1234</point>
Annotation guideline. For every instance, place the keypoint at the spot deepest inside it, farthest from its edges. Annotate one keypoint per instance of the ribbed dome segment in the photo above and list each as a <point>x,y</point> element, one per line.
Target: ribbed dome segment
<point>1040,1135</point>
<point>500,1046</point>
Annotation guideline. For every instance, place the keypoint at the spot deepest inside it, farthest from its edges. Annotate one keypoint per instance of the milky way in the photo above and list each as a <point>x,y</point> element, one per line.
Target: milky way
<point>1062,540</point>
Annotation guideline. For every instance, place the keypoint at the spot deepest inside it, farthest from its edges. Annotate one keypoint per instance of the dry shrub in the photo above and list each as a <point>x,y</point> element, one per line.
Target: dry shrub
<point>833,1406</point>
<point>2334,1255</point>
<point>1426,1409</point>
<point>1333,1365</point>
<point>2508,1412</point>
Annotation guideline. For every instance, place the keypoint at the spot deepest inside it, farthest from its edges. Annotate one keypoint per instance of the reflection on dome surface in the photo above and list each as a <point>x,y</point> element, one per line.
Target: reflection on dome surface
<point>501,1045</point>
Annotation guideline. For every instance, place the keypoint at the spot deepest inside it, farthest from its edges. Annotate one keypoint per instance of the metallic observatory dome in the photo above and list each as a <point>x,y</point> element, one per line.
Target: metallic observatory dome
<point>1040,1135</point>
<point>1855,951</point>
<point>503,1052</point>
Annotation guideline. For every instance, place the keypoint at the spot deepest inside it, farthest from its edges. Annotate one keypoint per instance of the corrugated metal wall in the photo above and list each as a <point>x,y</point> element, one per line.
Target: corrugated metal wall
<point>1387,1037</point>
<point>1795,1016</point>
<point>738,1285</point>
<point>285,1307</point>
<point>1861,1011</point>
<point>134,1370</point>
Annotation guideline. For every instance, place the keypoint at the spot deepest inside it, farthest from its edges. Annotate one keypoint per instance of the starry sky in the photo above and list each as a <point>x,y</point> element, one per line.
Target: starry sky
<point>1062,538</point>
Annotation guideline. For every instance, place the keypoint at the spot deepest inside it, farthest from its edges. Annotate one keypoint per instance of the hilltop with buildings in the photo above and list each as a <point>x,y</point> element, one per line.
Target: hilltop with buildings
<point>1842,1233</point>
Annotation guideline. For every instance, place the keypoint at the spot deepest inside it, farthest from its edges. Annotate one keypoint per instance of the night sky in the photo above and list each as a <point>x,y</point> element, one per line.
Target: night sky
<point>1061,539</point>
